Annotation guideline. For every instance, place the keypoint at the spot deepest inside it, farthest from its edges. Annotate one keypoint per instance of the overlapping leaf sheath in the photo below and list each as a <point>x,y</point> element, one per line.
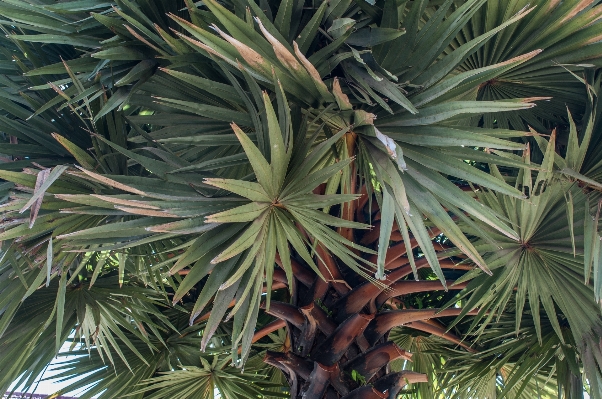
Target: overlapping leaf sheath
<point>337,335</point>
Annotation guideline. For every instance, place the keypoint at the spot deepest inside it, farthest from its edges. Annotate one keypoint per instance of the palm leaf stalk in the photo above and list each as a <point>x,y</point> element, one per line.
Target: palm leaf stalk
<point>190,148</point>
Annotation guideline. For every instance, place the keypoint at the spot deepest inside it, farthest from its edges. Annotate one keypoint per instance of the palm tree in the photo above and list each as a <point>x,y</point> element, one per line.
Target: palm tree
<point>318,185</point>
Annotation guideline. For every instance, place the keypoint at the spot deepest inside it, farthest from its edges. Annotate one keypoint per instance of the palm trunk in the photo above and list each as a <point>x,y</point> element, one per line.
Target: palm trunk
<point>336,354</point>
<point>338,333</point>
<point>338,329</point>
